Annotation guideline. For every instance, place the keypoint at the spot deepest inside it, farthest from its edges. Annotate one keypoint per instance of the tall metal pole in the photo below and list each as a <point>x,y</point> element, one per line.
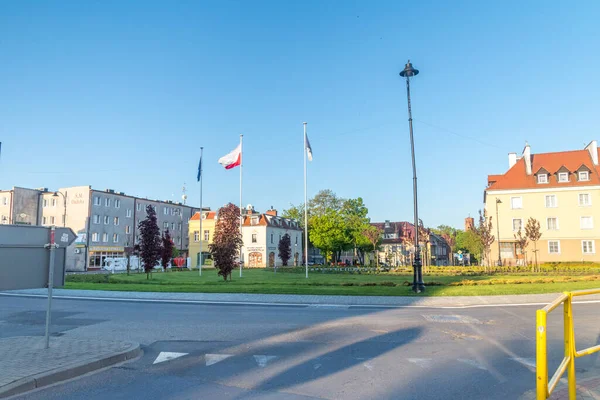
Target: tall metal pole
<point>200,261</point>
<point>498,231</point>
<point>305,208</point>
<point>65,210</point>
<point>418,285</point>
<point>241,208</point>
<point>51,246</point>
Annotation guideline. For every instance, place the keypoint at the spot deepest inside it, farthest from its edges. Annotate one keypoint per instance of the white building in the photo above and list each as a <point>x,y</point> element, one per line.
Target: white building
<point>261,234</point>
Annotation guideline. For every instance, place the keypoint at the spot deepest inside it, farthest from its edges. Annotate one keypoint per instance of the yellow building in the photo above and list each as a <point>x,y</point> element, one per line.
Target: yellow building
<point>561,191</point>
<point>208,228</point>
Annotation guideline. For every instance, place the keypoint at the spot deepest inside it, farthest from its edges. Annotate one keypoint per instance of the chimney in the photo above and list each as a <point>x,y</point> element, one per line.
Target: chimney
<point>527,158</point>
<point>469,223</point>
<point>593,149</point>
<point>272,212</point>
<point>512,159</point>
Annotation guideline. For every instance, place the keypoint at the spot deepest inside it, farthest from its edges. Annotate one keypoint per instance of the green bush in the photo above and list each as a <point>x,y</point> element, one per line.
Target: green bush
<point>88,278</point>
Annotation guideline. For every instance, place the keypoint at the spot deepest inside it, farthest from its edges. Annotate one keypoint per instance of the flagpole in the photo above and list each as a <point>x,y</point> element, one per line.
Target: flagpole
<point>305,209</point>
<point>241,208</point>
<point>200,262</point>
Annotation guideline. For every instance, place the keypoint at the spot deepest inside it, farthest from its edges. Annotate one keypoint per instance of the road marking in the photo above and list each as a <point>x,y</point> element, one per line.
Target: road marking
<point>212,359</point>
<point>421,362</point>
<point>341,306</point>
<point>472,363</point>
<point>451,319</point>
<point>527,362</point>
<point>368,366</point>
<point>316,366</point>
<point>263,360</point>
<point>266,304</point>
<point>168,356</point>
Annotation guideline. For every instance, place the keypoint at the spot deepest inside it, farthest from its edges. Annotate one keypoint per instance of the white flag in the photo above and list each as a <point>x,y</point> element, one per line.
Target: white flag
<point>232,159</point>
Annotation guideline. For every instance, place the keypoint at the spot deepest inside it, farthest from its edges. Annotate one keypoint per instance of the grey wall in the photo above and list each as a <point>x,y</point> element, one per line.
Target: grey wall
<point>24,261</point>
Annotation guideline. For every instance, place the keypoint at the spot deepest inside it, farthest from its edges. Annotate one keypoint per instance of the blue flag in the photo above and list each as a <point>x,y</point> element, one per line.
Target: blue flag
<point>199,169</point>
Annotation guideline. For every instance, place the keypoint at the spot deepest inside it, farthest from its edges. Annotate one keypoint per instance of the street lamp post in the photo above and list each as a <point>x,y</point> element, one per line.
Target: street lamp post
<point>64,204</point>
<point>498,201</point>
<point>418,285</point>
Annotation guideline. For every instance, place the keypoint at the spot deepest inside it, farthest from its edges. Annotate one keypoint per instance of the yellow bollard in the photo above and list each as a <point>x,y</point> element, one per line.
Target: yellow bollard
<point>541,356</point>
<point>570,345</point>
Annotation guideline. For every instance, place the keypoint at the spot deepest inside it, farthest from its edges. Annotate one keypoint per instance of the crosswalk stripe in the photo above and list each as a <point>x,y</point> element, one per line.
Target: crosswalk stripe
<point>212,359</point>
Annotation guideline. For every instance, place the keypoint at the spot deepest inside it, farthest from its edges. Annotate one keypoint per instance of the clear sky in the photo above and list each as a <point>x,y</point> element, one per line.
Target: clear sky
<point>122,94</point>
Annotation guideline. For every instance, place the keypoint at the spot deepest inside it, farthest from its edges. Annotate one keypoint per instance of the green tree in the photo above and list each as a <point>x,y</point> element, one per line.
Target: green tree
<point>285,249</point>
<point>227,240</point>
<point>150,241</point>
<point>484,232</point>
<point>532,231</point>
<point>374,235</point>
<point>468,241</point>
<point>329,234</point>
<point>323,202</point>
<point>354,214</point>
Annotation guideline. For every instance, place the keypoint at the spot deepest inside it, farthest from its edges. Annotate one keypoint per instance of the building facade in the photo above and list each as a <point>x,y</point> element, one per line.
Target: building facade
<point>560,190</point>
<point>209,218</point>
<point>106,222</point>
<point>261,234</point>
<point>20,206</point>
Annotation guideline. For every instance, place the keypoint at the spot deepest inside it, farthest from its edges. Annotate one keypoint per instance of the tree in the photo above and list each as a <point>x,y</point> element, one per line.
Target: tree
<point>285,249</point>
<point>468,241</point>
<point>166,250</point>
<point>484,232</point>
<point>424,237</point>
<point>521,242</point>
<point>532,231</point>
<point>323,202</point>
<point>329,234</point>
<point>150,241</point>
<point>354,214</point>
<point>227,240</point>
<point>374,235</point>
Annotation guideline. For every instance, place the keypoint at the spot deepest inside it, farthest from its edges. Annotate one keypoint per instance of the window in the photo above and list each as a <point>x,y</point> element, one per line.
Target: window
<point>178,240</point>
<point>196,236</point>
<point>517,223</point>
<point>45,203</point>
<point>516,202</point>
<point>5,201</point>
<point>280,238</point>
<point>129,213</point>
<point>95,237</point>
<point>586,223</point>
<point>115,237</point>
<point>117,203</point>
<point>116,221</point>
<point>138,206</point>
<point>51,220</point>
<point>552,223</point>
<point>107,202</point>
<point>585,199</point>
<point>563,177</point>
<point>53,202</point>
<point>105,237</point>
<point>96,219</point>
<point>177,211</point>
<point>165,225</point>
<point>207,235</point>
<point>96,200</point>
<point>296,239</point>
<point>106,220</point>
<point>172,226</point>
<point>254,238</point>
<point>587,247</point>
<point>584,176</point>
<point>179,226</point>
<point>271,238</point>
<point>550,201</point>
<point>166,210</point>
<point>553,246</point>
<point>542,178</point>
<point>254,221</point>
<point>44,219</point>
<point>127,229</point>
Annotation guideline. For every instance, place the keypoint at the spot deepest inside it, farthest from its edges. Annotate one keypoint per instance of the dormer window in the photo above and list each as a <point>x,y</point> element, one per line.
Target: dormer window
<point>563,177</point>
<point>254,221</point>
<point>542,178</point>
<point>583,176</point>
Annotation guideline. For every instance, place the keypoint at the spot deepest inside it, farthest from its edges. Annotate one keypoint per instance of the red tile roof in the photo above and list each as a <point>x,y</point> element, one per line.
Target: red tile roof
<point>517,178</point>
<point>209,215</point>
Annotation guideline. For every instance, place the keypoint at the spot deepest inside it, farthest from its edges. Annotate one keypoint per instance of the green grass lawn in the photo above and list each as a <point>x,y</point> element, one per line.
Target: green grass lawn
<point>264,281</point>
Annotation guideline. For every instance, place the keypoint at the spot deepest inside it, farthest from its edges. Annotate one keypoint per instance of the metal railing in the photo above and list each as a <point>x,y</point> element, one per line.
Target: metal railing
<point>544,388</point>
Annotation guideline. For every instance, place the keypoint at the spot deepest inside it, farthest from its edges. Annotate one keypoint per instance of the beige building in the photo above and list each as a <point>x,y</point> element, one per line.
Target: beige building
<point>208,229</point>
<point>561,191</point>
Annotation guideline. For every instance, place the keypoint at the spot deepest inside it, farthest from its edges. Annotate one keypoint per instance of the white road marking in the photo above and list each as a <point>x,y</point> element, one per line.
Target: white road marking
<point>421,362</point>
<point>212,359</point>
<point>316,366</point>
<point>368,366</point>
<point>168,356</point>
<point>263,360</point>
<point>472,363</point>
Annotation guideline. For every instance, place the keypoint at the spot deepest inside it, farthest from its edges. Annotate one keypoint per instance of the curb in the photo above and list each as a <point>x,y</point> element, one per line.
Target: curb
<point>77,369</point>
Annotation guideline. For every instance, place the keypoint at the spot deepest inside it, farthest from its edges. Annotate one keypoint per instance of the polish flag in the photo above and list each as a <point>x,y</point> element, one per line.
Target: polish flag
<point>232,159</point>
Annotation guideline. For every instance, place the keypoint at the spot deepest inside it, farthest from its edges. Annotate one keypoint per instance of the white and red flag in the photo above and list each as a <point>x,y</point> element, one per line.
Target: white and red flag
<point>233,159</point>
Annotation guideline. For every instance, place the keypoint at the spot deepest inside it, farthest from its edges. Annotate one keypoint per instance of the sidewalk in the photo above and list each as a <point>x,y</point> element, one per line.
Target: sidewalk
<point>302,300</point>
<point>588,388</point>
<point>26,365</point>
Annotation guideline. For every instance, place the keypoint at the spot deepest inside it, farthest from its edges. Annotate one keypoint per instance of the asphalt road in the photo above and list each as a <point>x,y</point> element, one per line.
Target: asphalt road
<point>259,352</point>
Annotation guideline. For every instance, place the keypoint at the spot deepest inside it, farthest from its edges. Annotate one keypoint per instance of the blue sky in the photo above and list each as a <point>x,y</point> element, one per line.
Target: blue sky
<point>122,95</point>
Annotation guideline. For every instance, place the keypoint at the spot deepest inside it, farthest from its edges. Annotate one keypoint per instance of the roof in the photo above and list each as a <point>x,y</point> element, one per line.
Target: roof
<point>271,220</point>
<point>517,178</point>
<point>404,229</point>
<point>209,215</point>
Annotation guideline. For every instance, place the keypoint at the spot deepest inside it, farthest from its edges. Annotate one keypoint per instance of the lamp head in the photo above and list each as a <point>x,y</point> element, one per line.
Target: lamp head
<point>408,70</point>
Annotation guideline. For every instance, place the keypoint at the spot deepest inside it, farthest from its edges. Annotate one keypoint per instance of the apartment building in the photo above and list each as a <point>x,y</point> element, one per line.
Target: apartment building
<point>560,190</point>
<point>106,222</point>
<point>261,234</point>
<point>209,219</point>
